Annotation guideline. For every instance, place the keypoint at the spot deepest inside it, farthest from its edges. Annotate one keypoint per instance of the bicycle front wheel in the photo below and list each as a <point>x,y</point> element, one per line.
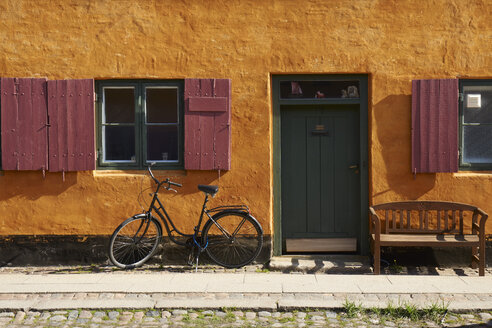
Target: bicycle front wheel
<point>134,241</point>
<point>234,239</point>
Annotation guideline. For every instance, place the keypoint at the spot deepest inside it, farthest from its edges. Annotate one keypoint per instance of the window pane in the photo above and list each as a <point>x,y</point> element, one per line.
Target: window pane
<point>119,143</point>
<point>477,104</point>
<point>162,105</point>
<point>162,143</point>
<point>119,105</point>
<point>477,144</point>
<point>319,89</point>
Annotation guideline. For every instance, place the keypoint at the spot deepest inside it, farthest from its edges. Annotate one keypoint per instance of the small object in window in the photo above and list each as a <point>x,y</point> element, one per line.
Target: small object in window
<point>352,92</point>
<point>473,101</point>
<point>344,94</point>
<point>296,88</point>
<point>319,94</point>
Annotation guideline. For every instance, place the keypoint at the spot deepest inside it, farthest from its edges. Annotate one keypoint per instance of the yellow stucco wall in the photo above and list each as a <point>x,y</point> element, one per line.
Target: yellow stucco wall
<point>246,41</point>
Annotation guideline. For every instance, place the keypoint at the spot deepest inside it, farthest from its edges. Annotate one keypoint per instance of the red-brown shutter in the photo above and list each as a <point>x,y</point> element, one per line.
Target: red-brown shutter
<point>435,126</point>
<point>207,124</point>
<point>71,118</point>
<point>24,124</point>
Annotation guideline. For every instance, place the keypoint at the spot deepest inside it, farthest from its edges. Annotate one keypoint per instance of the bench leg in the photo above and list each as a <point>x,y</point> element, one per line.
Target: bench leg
<point>481,268</point>
<point>474,263</point>
<point>376,255</point>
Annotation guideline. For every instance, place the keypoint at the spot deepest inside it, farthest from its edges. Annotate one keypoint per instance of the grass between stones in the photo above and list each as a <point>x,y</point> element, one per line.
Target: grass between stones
<point>404,310</point>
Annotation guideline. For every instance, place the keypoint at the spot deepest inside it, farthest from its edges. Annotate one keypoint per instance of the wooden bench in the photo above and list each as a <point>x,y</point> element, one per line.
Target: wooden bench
<point>428,224</point>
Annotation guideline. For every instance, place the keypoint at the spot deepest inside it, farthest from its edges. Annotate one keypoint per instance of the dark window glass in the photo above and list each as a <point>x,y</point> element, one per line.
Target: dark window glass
<point>477,144</point>
<point>119,105</point>
<point>162,105</point>
<point>162,143</point>
<point>319,89</point>
<point>119,143</point>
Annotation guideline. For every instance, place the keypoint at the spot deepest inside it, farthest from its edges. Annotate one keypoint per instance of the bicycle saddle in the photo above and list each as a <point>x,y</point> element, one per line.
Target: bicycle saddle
<point>211,190</point>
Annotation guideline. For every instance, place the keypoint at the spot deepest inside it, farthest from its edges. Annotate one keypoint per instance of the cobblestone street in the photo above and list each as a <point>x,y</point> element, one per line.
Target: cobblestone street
<point>235,318</point>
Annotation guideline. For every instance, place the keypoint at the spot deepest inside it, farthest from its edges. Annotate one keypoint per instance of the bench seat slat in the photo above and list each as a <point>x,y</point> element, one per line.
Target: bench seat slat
<point>425,240</point>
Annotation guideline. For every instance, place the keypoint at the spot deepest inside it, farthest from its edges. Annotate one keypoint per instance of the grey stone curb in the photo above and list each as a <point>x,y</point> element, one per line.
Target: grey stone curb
<point>253,301</point>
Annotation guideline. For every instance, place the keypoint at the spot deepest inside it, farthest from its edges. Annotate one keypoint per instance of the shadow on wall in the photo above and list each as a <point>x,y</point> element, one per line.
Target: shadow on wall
<point>392,120</point>
<point>32,185</point>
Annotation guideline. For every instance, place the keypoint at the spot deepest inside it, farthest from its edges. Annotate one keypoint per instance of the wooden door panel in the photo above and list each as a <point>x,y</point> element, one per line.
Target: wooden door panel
<point>319,189</point>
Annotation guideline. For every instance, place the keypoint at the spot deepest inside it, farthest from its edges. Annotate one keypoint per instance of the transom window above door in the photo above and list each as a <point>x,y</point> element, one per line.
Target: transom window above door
<point>140,122</point>
<point>318,89</point>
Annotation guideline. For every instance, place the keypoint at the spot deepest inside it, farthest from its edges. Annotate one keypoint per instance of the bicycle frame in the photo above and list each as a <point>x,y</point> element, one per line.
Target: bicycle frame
<point>168,222</point>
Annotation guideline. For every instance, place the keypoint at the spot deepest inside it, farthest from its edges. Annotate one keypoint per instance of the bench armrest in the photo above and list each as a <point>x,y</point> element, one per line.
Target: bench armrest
<point>375,224</point>
<point>479,226</point>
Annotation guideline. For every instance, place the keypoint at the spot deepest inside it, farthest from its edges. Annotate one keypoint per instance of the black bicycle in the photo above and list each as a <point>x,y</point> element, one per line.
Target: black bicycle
<point>231,237</point>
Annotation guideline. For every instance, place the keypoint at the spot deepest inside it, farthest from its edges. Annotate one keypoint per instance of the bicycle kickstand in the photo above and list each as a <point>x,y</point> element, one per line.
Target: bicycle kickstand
<point>196,260</point>
<point>194,256</point>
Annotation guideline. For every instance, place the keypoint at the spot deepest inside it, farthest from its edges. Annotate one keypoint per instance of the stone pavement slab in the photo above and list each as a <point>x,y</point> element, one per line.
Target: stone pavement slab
<point>238,290</point>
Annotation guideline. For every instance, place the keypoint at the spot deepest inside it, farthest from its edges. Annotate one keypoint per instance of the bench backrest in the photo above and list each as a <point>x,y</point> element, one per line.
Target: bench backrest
<point>425,217</point>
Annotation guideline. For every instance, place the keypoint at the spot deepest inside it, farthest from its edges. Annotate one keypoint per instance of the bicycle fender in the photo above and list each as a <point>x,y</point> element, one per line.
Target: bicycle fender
<point>238,212</point>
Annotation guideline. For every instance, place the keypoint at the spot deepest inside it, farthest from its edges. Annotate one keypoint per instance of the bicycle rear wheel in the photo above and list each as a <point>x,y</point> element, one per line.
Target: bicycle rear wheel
<point>234,239</point>
<point>134,241</point>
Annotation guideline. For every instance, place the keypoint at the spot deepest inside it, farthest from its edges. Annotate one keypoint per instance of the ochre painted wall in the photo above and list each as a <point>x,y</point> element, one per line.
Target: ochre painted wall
<point>247,41</point>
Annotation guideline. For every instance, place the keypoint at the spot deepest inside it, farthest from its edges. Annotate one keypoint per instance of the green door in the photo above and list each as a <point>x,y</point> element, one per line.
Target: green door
<point>320,178</point>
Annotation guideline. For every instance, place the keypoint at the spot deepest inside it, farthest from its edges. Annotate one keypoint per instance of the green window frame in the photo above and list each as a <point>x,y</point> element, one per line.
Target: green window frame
<point>140,122</point>
<point>475,125</point>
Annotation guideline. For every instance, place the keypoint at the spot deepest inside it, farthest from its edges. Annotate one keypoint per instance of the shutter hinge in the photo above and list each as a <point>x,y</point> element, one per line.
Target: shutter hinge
<point>96,97</point>
<point>461,96</point>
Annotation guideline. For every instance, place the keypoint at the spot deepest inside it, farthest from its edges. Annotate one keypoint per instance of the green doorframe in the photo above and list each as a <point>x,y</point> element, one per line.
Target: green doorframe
<point>362,101</point>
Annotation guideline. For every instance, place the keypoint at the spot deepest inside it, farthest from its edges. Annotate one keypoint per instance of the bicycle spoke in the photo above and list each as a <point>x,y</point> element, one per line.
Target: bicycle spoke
<point>238,228</point>
<point>134,242</point>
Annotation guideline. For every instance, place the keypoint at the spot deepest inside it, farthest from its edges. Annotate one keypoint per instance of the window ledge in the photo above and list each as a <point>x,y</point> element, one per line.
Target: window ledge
<point>484,174</point>
<point>137,173</point>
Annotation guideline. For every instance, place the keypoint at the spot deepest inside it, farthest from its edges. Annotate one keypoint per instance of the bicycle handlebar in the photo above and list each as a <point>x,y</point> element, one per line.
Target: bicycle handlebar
<point>169,182</point>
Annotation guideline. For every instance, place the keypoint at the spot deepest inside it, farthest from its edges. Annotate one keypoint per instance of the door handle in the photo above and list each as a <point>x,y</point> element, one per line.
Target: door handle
<point>355,168</point>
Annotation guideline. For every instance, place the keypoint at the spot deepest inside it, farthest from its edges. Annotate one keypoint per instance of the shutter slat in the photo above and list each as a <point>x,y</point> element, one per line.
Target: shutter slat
<point>223,127</point>
<point>207,89</point>
<point>40,117</point>
<point>192,127</point>
<point>207,141</point>
<point>88,135</point>
<point>435,126</point>
<point>9,107</point>
<point>54,148</point>
<point>25,120</point>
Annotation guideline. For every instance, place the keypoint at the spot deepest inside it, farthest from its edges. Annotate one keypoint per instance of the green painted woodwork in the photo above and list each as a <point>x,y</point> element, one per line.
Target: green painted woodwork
<point>359,108</point>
